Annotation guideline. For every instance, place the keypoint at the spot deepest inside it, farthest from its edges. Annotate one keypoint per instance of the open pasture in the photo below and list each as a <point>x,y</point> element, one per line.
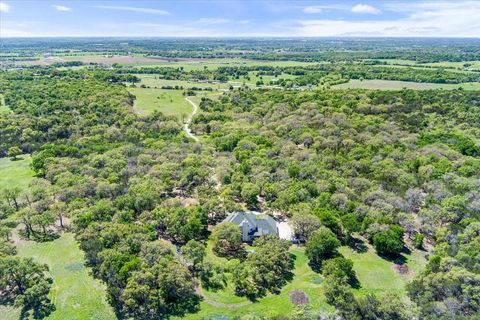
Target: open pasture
<point>399,85</point>
<point>15,174</point>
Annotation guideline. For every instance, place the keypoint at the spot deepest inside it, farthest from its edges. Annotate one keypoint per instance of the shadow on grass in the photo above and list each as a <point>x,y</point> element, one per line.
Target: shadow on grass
<point>357,245</point>
<point>40,237</point>
<point>354,283</point>
<point>398,259</point>
<point>316,266</point>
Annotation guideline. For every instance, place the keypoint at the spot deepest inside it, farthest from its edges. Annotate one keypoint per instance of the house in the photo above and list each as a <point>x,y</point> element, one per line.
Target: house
<point>253,224</point>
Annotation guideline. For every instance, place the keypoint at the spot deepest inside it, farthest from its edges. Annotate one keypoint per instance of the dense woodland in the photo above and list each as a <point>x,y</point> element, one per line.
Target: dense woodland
<point>394,169</point>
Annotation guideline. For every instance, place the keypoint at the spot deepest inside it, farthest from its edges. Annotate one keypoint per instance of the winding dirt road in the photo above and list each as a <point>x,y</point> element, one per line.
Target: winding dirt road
<point>186,127</point>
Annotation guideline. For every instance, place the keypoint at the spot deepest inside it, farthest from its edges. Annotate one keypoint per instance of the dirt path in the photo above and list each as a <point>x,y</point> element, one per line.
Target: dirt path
<point>186,127</point>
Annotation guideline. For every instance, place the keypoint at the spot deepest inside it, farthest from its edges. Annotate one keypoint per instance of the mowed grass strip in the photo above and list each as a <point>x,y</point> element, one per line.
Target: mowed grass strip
<point>3,106</point>
<point>399,85</point>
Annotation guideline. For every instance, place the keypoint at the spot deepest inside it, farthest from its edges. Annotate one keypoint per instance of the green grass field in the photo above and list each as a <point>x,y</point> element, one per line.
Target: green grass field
<point>152,81</point>
<point>398,85</point>
<point>169,102</point>
<point>76,295</point>
<point>196,64</point>
<point>375,275</point>
<point>15,173</point>
<point>3,106</point>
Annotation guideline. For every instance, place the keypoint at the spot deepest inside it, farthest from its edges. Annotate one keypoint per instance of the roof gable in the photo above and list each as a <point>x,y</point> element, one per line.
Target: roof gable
<point>264,223</point>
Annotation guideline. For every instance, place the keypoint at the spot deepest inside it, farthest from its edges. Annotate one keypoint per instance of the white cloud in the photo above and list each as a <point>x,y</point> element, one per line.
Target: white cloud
<point>135,9</point>
<point>365,8</point>
<point>4,7</point>
<point>61,8</point>
<point>312,9</point>
<point>418,19</point>
<point>209,21</point>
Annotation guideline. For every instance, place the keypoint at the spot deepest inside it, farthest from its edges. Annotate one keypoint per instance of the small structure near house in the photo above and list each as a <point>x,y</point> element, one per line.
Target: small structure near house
<point>253,224</point>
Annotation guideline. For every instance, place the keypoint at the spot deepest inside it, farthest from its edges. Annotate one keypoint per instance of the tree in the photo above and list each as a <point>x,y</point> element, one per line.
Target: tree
<point>449,293</point>
<point>339,295</point>
<point>227,239</point>
<point>389,242</point>
<point>329,219</point>
<point>14,152</point>
<point>418,240</point>
<point>166,288</point>
<point>265,269</point>
<point>339,268</point>
<point>249,193</point>
<point>322,245</point>
<point>24,284</point>
<point>304,225</point>
<point>194,252</point>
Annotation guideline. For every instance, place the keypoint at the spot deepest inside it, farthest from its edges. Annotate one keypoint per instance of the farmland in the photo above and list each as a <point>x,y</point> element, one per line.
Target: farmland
<point>398,85</point>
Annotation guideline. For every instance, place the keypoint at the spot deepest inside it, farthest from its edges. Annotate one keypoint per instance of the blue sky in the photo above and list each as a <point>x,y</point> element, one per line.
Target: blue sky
<point>455,18</point>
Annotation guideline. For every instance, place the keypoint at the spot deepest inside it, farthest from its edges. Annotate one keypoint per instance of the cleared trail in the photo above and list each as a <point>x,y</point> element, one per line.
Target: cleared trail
<point>186,127</point>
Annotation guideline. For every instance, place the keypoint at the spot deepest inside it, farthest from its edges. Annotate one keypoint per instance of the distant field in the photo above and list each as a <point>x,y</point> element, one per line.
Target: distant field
<point>449,65</point>
<point>152,81</point>
<point>170,102</point>
<point>195,64</point>
<point>92,58</point>
<point>398,85</point>
<point>141,60</point>
<point>375,274</point>
<point>254,77</point>
<point>15,173</point>
<point>76,295</point>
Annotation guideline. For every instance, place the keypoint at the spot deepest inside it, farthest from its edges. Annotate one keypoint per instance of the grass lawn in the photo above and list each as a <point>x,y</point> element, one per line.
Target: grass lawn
<point>76,295</point>
<point>375,274</point>
<point>398,85</point>
<point>3,106</point>
<point>15,173</point>
<point>169,102</point>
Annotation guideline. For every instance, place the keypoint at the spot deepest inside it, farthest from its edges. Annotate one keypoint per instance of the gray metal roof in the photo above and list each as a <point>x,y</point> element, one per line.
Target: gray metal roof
<point>263,222</point>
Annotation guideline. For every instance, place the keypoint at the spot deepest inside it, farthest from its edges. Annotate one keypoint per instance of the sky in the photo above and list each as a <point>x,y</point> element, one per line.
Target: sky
<point>129,18</point>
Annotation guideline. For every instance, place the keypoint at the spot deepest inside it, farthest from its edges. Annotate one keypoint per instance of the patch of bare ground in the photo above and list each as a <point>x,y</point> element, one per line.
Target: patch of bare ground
<point>401,269</point>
